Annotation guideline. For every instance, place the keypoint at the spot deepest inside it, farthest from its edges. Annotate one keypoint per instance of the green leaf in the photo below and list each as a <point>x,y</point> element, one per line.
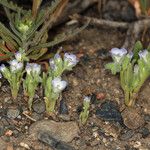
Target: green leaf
<point>137,47</point>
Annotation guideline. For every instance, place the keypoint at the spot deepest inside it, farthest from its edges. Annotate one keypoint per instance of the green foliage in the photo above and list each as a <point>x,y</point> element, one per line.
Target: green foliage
<point>137,48</point>
<point>133,72</point>
<point>145,5</point>
<point>29,28</point>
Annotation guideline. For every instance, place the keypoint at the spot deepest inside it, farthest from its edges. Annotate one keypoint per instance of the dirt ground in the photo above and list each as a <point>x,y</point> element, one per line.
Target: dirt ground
<point>127,129</point>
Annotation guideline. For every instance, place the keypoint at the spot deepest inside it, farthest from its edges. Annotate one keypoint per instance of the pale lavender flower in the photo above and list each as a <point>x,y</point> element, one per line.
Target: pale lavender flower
<point>118,54</point>
<point>57,57</point>
<point>18,56</point>
<point>13,62</point>
<point>130,55</point>
<point>2,68</point>
<point>71,59</point>
<point>87,99</point>
<point>28,68</point>
<point>52,64</point>
<point>58,85</point>
<point>143,55</point>
<point>33,67</point>
<point>15,65</point>
<point>36,68</point>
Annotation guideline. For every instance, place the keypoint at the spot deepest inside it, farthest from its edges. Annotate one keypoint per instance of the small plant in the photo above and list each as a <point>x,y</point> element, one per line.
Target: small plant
<point>134,69</point>
<point>52,83</point>
<point>85,112</point>
<point>13,74</point>
<point>31,81</point>
<point>29,29</point>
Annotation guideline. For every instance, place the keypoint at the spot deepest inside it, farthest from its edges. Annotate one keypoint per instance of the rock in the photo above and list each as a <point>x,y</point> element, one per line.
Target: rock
<point>109,112</point>
<point>36,116</point>
<point>126,135</point>
<point>144,131</point>
<point>63,131</point>
<point>53,143</point>
<point>132,119</point>
<point>63,109</point>
<point>13,112</point>
<point>39,107</point>
<point>147,117</point>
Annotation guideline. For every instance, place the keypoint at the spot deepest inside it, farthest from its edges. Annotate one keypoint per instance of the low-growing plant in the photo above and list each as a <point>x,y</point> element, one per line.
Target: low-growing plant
<point>13,74</point>
<point>134,69</point>
<point>52,83</point>
<point>85,112</point>
<point>31,81</point>
<point>28,29</point>
<point>51,80</point>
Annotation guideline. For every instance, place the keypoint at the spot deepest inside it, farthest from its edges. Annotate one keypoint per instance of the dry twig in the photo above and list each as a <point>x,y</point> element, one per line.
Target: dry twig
<point>100,22</point>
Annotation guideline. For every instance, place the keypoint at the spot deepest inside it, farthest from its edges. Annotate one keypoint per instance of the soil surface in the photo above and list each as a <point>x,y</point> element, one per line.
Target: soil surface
<point>110,126</point>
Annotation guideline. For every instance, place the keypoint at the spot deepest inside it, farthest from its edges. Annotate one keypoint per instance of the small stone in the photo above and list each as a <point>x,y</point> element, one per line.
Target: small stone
<point>63,131</point>
<point>147,118</point>
<point>144,131</point>
<point>126,135</point>
<point>132,119</point>
<point>52,142</point>
<point>109,112</point>
<point>13,113</point>
<point>39,107</point>
<point>36,116</point>
<point>63,109</point>
<point>1,129</point>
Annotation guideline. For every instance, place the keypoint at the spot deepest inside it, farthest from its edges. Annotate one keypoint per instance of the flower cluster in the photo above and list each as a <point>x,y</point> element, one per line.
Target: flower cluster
<point>52,82</point>
<point>134,69</point>
<point>53,85</point>
<point>13,74</point>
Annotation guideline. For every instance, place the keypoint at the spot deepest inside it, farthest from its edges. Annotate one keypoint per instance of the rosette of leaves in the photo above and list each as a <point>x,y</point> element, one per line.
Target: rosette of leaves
<point>28,29</point>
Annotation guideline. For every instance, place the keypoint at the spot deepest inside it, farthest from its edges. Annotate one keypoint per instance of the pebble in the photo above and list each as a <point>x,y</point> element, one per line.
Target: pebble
<point>147,117</point>
<point>63,109</point>
<point>52,142</point>
<point>132,119</point>
<point>144,131</point>
<point>39,107</point>
<point>36,116</point>
<point>109,112</point>
<point>63,131</point>
<point>13,113</point>
<point>126,135</point>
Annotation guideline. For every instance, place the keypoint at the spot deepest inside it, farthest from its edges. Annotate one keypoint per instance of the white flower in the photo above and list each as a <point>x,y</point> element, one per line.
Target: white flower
<point>15,65</point>
<point>87,99</point>
<point>71,59</point>
<point>143,55</point>
<point>28,68</point>
<point>118,54</point>
<point>52,64</point>
<point>33,67</point>
<point>57,57</point>
<point>58,85</point>
<point>18,56</point>
<point>36,68</point>
<point>13,62</point>
<point>2,68</point>
<point>130,55</point>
